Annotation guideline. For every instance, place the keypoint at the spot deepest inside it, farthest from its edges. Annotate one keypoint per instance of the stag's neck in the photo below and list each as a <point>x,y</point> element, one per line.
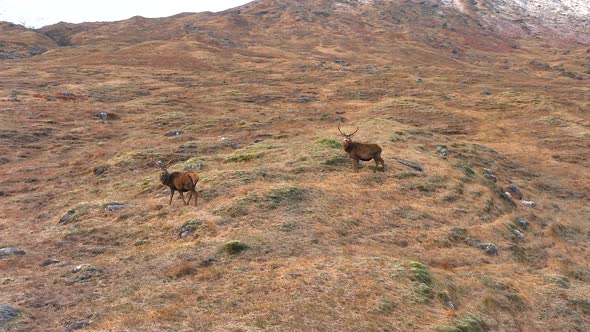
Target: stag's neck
<point>348,146</point>
<point>165,178</point>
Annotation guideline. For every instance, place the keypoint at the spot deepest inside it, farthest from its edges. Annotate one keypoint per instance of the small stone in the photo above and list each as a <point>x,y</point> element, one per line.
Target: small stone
<point>11,252</point>
<point>410,164</point>
<point>443,151</point>
<point>102,115</point>
<point>514,191</point>
<point>489,248</point>
<point>77,326</point>
<point>487,173</point>
<point>419,80</point>
<point>208,261</point>
<point>234,145</point>
<point>522,222</point>
<point>306,99</point>
<point>518,233</point>
<point>115,206</point>
<point>84,272</point>
<point>7,313</point>
<point>258,140</point>
<point>100,169</point>
<point>69,216</point>
<point>193,167</point>
<point>49,261</point>
<point>189,228</point>
<point>485,92</point>
<point>84,267</point>
<point>530,204</point>
<point>175,132</point>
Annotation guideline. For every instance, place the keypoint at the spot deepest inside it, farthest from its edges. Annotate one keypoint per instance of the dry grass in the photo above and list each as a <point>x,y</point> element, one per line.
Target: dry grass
<point>328,249</point>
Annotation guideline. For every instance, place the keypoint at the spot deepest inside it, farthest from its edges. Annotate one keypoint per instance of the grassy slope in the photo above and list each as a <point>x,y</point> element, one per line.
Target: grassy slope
<point>328,249</point>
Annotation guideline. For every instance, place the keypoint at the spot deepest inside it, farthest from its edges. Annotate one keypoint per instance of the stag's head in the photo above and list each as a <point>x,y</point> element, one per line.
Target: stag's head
<point>163,167</point>
<point>347,137</point>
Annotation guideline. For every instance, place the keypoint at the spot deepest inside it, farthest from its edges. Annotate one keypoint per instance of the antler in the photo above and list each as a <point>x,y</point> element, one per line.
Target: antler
<point>357,129</point>
<point>340,130</point>
<point>160,164</point>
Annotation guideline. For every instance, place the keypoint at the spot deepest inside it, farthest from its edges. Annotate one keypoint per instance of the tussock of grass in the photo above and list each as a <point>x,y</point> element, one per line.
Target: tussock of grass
<point>467,322</point>
<point>234,247</point>
<point>420,273</point>
<point>331,143</point>
<point>243,157</point>
<point>385,305</point>
<point>181,270</point>
<point>277,196</point>
<point>581,303</point>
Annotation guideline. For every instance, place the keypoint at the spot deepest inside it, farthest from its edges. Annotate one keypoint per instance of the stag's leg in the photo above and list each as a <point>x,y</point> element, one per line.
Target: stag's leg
<point>190,195</point>
<point>355,165</point>
<point>382,164</point>
<point>182,196</point>
<point>171,195</point>
<point>194,193</point>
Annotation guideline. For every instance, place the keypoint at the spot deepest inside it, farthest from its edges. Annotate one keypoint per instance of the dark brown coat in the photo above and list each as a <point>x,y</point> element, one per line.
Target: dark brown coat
<point>179,181</point>
<point>362,151</point>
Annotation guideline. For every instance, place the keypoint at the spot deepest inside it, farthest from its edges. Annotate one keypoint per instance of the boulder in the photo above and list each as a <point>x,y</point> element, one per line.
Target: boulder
<point>7,313</point>
<point>11,252</point>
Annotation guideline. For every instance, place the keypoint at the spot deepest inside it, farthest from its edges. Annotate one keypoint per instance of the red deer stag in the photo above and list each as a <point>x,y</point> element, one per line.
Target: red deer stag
<point>179,181</point>
<point>362,151</point>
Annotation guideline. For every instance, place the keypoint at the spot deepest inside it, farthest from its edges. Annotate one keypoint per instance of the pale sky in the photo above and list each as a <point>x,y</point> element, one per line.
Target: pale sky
<point>38,13</point>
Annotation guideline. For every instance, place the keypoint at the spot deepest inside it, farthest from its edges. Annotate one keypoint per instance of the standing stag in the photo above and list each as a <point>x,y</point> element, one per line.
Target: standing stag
<point>362,151</point>
<point>179,181</point>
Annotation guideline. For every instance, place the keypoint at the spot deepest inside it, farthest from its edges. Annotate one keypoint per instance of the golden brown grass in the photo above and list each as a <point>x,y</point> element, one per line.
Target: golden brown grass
<point>327,249</point>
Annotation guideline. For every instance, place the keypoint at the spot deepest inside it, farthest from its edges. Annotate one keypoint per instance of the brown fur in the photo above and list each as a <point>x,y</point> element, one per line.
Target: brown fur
<point>362,151</point>
<point>179,181</point>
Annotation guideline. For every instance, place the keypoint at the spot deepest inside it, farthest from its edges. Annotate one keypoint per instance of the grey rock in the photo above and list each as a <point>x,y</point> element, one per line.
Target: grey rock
<point>507,198</point>
<point>306,99</point>
<point>443,151</point>
<point>189,228</point>
<point>233,145</point>
<point>528,203</point>
<point>514,191</point>
<point>522,222</point>
<point>100,169</point>
<point>410,164</point>
<point>485,92</point>
<point>489,248</point>
<point>114,206</point>
<point>193,167</point>
<point>342,62</point>
<point>69,216</point>
<point>11,252</point>
<point>419,80</point>
<point>49,261</point>
<point>84,272</point>
<point>35,50</point>
<point>488,174</point>
<point>7,313</point>
<point>175,132</point>
<point>518,233</point>
<point>102,115</point>
<point>77,326</point>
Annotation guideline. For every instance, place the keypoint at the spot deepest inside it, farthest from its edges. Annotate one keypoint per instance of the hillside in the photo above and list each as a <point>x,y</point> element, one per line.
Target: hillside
<point>251,99</point>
